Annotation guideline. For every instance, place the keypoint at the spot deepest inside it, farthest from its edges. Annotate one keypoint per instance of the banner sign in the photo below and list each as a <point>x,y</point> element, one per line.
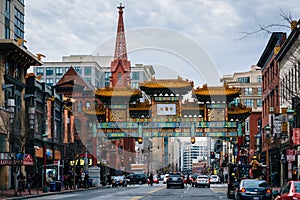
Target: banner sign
<point>296,136</point>
<point>182,124</point>
<point>171,134</point>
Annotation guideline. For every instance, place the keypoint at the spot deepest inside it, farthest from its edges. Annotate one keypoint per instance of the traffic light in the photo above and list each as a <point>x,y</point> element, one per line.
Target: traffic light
<point>193,140</point>
<point>226,157</point>
<point>140,140</point>
<point>212,155</point>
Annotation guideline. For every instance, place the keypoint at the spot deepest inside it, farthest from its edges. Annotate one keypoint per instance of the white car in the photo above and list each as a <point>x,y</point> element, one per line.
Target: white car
<point>214,179</point>
<point>165,178</point>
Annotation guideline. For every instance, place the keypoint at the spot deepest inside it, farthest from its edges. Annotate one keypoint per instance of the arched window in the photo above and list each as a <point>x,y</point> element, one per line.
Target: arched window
<point>87,105</point>
<point>79,108</point>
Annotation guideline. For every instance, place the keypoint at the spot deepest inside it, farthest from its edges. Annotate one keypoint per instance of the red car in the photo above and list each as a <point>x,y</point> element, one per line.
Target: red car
<point>155,179</point>
<point>291,190</point>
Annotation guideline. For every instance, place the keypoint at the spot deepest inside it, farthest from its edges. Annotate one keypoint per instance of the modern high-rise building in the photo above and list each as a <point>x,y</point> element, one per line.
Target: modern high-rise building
<point>193,154</point>
<point>12,19</point>
<point>93,69</point>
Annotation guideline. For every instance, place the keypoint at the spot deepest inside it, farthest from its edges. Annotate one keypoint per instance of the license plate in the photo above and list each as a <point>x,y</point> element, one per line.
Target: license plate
<point>255,198</point>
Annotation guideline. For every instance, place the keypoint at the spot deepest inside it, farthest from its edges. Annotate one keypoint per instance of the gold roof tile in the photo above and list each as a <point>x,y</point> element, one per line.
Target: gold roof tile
<point>117,91</point>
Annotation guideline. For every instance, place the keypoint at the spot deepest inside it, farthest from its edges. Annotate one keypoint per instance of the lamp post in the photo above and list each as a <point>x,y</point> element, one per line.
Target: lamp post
<point>267,136</point>
<point>11,110</point>
<point>44,185</point>
<point>290,118</point>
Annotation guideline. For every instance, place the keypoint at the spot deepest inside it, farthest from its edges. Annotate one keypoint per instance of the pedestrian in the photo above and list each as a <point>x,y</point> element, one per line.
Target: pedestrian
<point>29,182</point>
<point>188,179</point>
<point>151,179</point>
<point>66,181</point>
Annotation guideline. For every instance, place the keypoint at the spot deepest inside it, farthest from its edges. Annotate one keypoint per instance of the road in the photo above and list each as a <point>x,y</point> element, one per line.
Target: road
<point>145,192</point>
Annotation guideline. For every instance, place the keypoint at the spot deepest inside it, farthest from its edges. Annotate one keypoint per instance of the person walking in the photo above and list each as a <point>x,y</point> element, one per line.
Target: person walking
<point>151,179</point>
<point>29,183</point>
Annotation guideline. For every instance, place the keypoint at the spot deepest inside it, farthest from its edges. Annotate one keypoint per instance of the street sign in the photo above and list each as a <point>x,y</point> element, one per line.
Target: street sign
<point>296,136</point>
<point>277,126</point>
<point>290,155</point>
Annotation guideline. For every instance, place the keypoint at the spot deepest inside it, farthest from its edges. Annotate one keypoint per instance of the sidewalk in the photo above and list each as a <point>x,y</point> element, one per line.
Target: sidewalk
<point>9,194</point>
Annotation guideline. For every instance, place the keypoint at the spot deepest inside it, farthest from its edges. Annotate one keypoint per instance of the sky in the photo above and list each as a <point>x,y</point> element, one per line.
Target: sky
<point>199,40</point>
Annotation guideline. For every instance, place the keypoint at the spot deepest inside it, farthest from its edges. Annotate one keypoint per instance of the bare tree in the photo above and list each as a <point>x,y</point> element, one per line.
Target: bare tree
<point>285,19</point>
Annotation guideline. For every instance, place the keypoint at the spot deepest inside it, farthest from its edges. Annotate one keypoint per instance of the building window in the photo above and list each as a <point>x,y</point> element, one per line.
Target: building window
<point>259,91</point>
<point>49,71</point>
<point>259,79</point>
<point>134,84</point>
<point>7,33</point>
<point>135,76</point>
<point>107,84</point>
<point>78,70</point>
<point>40,71</point>
<point>19,24</point>
<point>56,80</point>
<point>107,75</point>
<point>87,70</point>
<point>87,105</point>
<point>66,69</point>
<point>248,102</point>
<point>248,91</point>
<point>247,129</point>
<point>59,71</point>
<point>88,80</point>
<point>119,78</point>
<point>259,103</point>
<point>243,79</point>
<point>79,109</point>
<point>49,81</point>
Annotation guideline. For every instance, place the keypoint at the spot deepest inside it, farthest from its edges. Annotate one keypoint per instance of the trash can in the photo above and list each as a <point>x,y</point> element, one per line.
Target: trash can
<point>90,182</point>
<point>58,186</point>
<point>52,186</point>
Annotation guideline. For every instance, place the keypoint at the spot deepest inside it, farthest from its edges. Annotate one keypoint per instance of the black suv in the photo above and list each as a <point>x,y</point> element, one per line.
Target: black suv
<point>175,179</point>
<point>137,178</point>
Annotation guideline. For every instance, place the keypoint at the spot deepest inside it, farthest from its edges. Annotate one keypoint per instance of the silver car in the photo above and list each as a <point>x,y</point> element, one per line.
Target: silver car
<point>202,180</point>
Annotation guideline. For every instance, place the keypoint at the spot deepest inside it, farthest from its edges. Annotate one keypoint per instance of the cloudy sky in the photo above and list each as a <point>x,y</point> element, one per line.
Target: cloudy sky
<point>196,39</point>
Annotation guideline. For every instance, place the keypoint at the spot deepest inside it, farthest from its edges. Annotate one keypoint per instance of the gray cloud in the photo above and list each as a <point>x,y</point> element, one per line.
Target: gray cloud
<point>57,28</point>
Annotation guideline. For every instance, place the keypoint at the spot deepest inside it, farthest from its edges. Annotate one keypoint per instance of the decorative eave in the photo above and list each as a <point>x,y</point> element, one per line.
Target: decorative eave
<point>140,106</point>
<point>118,93</point>
<point>175,86</point>
<point>19,53</point>
<point>217,91</point>
<point>240,110</point>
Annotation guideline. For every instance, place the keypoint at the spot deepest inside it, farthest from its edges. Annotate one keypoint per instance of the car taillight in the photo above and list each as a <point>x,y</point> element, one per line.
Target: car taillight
<point>268,191</point>
<point>242,190</point>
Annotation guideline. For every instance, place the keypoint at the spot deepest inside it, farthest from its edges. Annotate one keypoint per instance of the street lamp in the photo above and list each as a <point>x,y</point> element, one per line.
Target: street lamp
<point>290,118</point>
<point>267,132</point>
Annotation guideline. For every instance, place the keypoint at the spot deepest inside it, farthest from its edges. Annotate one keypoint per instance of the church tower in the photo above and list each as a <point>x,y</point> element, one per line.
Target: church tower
<point>120,66</point>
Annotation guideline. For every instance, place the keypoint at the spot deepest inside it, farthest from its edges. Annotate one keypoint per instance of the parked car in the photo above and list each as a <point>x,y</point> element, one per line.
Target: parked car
<point>175,179</point>
<point>118,181</point>
<point>214,179</point>
<point>202,180</point>
<point>137,178</point>
<point>291,190</point>
<point>165,178</point>
<point>253,189</point>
